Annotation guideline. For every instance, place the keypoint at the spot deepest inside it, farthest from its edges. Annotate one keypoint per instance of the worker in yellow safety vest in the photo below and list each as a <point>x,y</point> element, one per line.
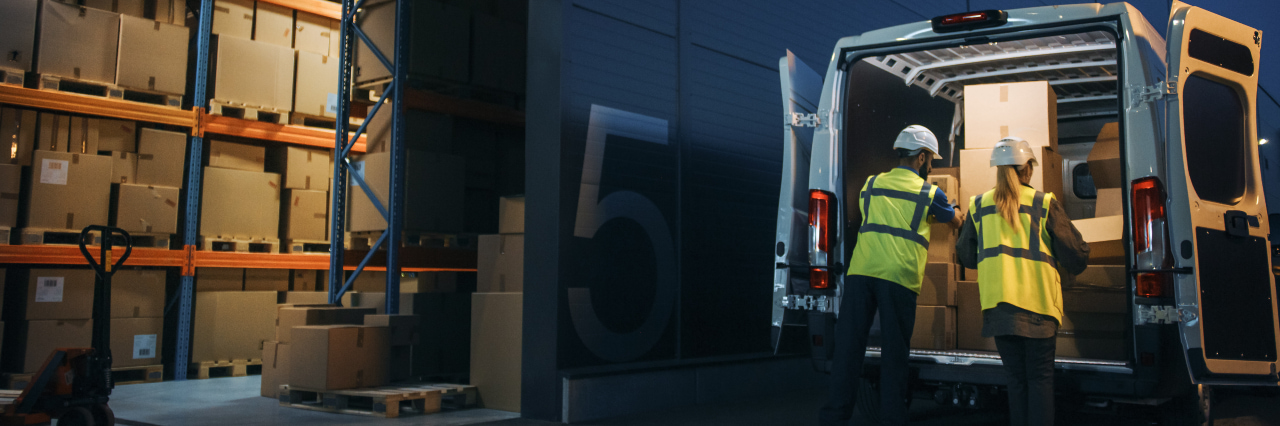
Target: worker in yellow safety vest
<point>1018,238</point>
<point>885,272</point>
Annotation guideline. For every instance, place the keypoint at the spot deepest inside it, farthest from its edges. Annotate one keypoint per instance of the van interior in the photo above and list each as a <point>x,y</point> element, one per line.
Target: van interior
<point>929,87</point>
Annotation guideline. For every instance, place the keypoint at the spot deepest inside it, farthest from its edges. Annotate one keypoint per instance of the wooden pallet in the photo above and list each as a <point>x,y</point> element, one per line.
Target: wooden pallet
<point>255,245</point>
<point>233,368</point>
<point>306,246</point>
<point>365,240</point>
<point>247,112</point>
<point>386,401</point>
<point>28,236</point>
<point>108,90</point>
<point>136,375</point>
<point>13,77</point>
<point>7,397</point>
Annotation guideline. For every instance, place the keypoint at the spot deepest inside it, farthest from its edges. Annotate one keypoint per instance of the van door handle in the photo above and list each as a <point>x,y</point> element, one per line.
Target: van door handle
<point>1237,223</point>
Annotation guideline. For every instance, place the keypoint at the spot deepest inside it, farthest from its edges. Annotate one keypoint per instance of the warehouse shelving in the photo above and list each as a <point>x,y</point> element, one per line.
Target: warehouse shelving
<point>298,135</point>
<point>323,8</point>
<point>423,259</point>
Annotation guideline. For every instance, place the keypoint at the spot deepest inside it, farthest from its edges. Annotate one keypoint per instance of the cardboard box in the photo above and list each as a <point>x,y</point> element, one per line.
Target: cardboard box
<point>124,167</point>
<point>445,327</point>
<point>1104,158</point>
<point>136,341</point>
<point>1105,236</point>
<point>311,33</point>
<point>500,265</point>
<point>306,215</point>
<point>69,191</point>
<point>949,185</point>
<point>428,282</point>
<point>10,191</point>
<point>290,317</point>
<point>440,34</point>
<point>147,209</point>
<point>435,182</point>
<point>511,215</point>
<point>55,132</point>
<point>231,325</point>
<point>138,293</point>
<point>1110,202</point>
<point>969,319</point>
<point>17,33</point>
<point>219,279</point>
<point>942,242</point>
<point>425,131</point>
<point>84,136</point>
<point>253,74</point>
<point>38,339</point>
<point>1112,277</point>
<point>306,297</point>
<point>129,7</point>
<point>333,357</point>
<point>162,158</point>
<point>273,24</point>
<point>1105,301</point>
<point>497,321</point>
<point>173,12</point>
<point>266,280</point>
<point>153,55</point>
<point>236,156</point>
<point>935,328</point>
<point>86,41</point>
<point>335,39</point>
<point>304,280</point>
<point>317,85</point>
<point>970,274</point>
<point>17,131</point>
<point>275,367</point>
<point>1028,110</point>
<point>233,18</point>
<point>939,285</point>
<point>305,168</point>
<point>977,175</point>
<point>1092,335</point>
<point>403,328</point>
<point>227,192</point>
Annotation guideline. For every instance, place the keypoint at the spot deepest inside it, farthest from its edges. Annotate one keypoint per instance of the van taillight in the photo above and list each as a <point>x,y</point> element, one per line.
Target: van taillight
<point>1152,284</point>
<point>820,220</point>
<point>819,278</point>
<point>1148,214</point>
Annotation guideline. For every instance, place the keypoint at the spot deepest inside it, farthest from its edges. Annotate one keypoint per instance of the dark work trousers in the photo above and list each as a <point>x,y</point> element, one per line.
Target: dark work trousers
<point>1029,363</point>
<point>897,305</point>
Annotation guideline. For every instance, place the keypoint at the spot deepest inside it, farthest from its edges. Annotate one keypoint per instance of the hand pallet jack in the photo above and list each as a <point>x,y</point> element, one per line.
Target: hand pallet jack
<point>74,384</point>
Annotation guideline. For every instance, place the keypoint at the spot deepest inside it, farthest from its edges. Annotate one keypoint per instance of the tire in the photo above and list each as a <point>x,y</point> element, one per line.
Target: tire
<point>78,416</point>
<point>103,416</point>
<point>1192,409</point>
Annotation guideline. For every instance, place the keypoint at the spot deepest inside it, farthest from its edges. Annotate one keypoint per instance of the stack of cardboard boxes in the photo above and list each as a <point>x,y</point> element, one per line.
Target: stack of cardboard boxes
<point>235,312</point>
<point>497,310</point>
<point>278,354</point>
<point>935,326</point>
<point>308,175</point>
<point>236,178</point>
<point>17,139</point>
<point>444,317</point>
<point>148,172</point>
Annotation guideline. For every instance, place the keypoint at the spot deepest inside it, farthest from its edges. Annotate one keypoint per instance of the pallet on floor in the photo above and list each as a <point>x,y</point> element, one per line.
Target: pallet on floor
<point>29,236</point>
<point>365,240</point>
<point>108,90</point>
<point>136,375</point>
<point>246,112</point>
<point>385,401</point>
<point>13,77</point>
<point>305,246</point>
<point>233,368</point>
<point>239,245</point>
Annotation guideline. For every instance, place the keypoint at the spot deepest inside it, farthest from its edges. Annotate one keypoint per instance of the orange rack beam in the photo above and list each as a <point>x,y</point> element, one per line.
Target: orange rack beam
<point>70,255</point>
<point>309,136</point>
<point>428,259</point>
<point>96,105</point>
<point>326,9</point>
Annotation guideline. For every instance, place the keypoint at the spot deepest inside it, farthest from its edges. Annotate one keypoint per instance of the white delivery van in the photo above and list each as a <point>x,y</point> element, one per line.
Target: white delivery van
<point>1194,298</point>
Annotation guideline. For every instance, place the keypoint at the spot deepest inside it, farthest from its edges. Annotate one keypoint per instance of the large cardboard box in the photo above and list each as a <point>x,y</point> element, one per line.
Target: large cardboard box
<point>124,167</point>
<point>275,367</point>
<point>1105,236</point>
<point>273,24</point>
<point>253,74</point>
<point>237,156</point>
<point>434,191</point>
<point>1103,301</point>
<point>231,325</point>
<point>1092,335</point>
<point>233,18</point>
<point>511,215</point>
<point>83,136</point>
<point>69,191</point>
<point>117,135</point>
<point>1112,277</point>
<point>55,132</point>
<point>1104,158</point>
<point>136,341</point>
<point>60,294</point>
<point>148,209</point>
<point>138,293</point>
<point>305,168</point>
<point>305,215</point>
<point>1110,202</point>
<point>10,189</point>
<point>311,33</point>
<point>496,334</point>
<point>403,328</point>
<point>977,176</point>
<point>1028,110</point>
<point>86,41</point>
<point>162,158</point>
<point>375,281</point>
<point>297,316</point>
<point>219,279</point>
<point>153,55</point>
<point>38,339</point>
<point>969,319</point>
<point>227,193</point>
<point>17,33</point>
<point>17,133</point>
<point>942,241</point>
<point>317,85</point>
<point>303,280</point>
<point>935,328</point>
<point>333,357</point>
<point>500,265</point>
<point>256,279</point>
<point>939,285</point>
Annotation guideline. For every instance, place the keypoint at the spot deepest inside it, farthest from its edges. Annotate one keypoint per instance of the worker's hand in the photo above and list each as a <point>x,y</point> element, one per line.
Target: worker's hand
<point>958,220</point>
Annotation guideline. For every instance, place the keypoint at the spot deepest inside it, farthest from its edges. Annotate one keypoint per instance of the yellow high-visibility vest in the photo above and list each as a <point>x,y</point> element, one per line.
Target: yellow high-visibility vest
<point>1016,266</point>
<point>893,241</point>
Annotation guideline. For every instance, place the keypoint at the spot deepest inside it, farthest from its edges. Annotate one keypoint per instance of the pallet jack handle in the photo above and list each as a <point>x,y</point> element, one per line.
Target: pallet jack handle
<point>104,268</point>
<point>99,368</point>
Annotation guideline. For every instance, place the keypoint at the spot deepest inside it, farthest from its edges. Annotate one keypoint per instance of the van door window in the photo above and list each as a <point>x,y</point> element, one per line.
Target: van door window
<point>1213,125</point>
<point>1082,182</point>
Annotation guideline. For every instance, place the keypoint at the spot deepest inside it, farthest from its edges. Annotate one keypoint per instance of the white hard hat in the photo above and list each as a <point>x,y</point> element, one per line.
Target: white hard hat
<point>916,137</point>
<point>1013,151</point>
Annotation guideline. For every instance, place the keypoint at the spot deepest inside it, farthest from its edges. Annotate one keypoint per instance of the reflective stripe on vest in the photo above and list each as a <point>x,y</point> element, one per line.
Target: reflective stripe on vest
<point>1017,268</point>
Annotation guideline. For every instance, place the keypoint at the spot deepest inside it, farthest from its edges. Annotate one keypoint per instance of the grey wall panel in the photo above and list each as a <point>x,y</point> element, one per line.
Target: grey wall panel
<point>656,15</point>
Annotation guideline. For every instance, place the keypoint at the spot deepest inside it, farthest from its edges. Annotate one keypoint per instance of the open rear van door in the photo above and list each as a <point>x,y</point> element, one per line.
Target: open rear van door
<point>1222,280</point>
<point>801,91</point>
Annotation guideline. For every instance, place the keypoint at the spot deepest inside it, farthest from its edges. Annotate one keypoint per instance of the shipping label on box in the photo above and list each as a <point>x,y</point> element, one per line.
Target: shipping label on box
<point>124,167</point>
<point>161,158</point>
<point>233,18</point>
<point>17,134</point>
<point>55,132</point>
<point>317,79</point>
<point>138,293</point>
<point>60,294</point>
<point>147,209</point>
<point>1028,110</point>
<point>311,33</point>
<point>10,189</point>
<point>236,156</point>
<point>69,191</point>
<point>306,215</point>
<point>86,40</point>
<point>227,192</point>
<point>153,56</point>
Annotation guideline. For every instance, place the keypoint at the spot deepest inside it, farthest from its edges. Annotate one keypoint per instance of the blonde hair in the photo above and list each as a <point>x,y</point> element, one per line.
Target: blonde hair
<point>1007,194</point>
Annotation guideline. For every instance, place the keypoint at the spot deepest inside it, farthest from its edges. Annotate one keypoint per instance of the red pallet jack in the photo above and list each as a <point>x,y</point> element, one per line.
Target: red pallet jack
<point>74,384</point>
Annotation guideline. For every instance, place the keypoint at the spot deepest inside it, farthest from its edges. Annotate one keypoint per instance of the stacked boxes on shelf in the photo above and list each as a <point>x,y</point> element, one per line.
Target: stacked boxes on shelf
<point>148,173</point>
<point>308,175</point>
<point>497,310</point>
<point>235,178</point>
<point>137,317</point>
<point>57,313</point>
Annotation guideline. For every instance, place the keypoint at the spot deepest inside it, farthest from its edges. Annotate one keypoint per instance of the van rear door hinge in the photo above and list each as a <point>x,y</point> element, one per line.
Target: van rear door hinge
<point>799,119</point>
<point>1147,94</point>
<point>1154,314</point>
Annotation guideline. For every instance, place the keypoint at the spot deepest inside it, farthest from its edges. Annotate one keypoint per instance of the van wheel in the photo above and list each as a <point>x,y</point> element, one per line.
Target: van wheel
<point>868,403</point>
<point>1191,409</point>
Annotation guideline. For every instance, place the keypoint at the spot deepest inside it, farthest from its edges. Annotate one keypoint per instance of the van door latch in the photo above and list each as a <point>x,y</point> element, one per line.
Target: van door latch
<point>799,119</point>
<point>1155,314</point>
